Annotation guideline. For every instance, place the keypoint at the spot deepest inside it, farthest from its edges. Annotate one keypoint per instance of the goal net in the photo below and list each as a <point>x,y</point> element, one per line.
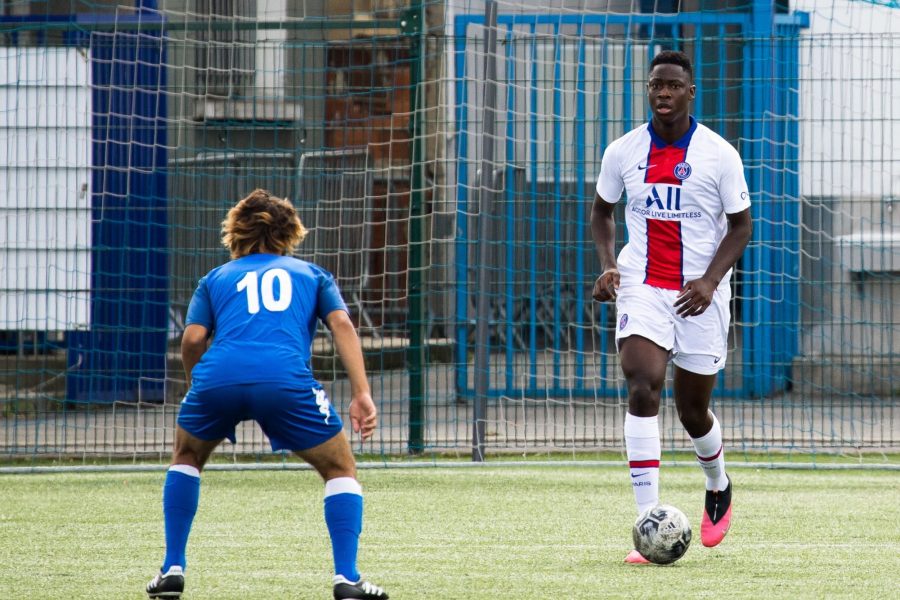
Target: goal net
<point>443,156</point>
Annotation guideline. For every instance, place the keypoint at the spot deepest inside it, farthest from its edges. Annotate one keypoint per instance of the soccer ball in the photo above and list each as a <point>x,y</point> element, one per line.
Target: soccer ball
<point>662,534</point>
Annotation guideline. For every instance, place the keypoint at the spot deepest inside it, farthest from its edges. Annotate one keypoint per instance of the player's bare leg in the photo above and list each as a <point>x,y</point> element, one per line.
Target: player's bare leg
<point>332,458</point>
<point>692,396</point>
<point>334,461</point>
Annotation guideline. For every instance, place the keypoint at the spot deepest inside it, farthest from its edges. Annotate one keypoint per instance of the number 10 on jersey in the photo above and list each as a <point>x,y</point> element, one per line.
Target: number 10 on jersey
<point>264,288</point>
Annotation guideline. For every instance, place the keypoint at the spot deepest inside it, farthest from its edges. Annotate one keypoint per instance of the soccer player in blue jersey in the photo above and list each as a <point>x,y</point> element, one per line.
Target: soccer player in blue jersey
<point>261,311</point>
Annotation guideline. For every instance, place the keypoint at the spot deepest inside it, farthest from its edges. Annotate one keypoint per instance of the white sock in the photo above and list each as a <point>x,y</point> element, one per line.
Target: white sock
<point>711,456</point>
<point>643,449</point>
<point>342,485</point>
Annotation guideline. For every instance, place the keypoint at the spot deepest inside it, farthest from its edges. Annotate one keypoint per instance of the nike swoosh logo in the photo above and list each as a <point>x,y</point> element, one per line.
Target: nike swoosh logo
<point>716,360</point>
<point>642,167</point>
<point>633,475</point>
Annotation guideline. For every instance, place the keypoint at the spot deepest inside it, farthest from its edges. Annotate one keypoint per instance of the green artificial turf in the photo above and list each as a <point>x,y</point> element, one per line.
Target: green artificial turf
<point>557,532</point>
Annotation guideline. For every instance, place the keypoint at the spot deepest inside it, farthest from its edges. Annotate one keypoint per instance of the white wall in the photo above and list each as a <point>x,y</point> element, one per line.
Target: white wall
<point>45,200</point>
<point>850,180</point>
<point>850,82</point>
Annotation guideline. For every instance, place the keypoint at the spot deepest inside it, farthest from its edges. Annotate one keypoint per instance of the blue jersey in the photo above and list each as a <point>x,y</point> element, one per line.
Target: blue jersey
<point>263,311</point>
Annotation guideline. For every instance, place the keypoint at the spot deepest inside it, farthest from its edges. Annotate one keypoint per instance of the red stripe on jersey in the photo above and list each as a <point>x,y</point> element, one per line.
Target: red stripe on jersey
<point>664,254</point>
<point>661,164</point>
<point>643,464</point>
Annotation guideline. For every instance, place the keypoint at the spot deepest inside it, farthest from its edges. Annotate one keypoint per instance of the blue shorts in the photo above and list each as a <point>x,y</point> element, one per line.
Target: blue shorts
<point>292,418</point>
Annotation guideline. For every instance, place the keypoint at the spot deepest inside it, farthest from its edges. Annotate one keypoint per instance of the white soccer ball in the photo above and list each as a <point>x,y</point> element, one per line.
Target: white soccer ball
<point>662,534</point>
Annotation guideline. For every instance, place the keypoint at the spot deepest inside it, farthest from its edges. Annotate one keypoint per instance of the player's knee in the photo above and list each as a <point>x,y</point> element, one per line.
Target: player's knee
<point>190,454</point>
<point>332,459</point>
<point>335,470</point>
<point>642,393</point>
<point>189,460</point>
<point>692,418</point>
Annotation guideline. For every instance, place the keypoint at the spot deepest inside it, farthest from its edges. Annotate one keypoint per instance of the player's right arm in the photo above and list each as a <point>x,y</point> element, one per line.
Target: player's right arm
<point>363,415</point>
<point>603,230</point>
<point>200,322</point>
<point>603,226</point>
<point>193,345</point>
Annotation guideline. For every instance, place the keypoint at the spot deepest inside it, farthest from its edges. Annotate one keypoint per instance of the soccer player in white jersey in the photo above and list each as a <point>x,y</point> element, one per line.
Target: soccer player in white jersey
<point>688,219</point>
<point>261,310</point>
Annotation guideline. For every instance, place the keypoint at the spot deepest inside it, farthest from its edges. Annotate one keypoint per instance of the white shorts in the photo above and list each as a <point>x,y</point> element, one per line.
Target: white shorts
<point>697,344</point>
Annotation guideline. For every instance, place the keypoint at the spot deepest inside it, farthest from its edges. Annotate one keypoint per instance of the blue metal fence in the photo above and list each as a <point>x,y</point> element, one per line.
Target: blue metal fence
<point>555,131</point>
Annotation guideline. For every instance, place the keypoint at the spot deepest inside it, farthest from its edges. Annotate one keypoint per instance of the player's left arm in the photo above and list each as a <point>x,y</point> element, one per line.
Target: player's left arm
<point>363,415</point>
<point>696,295</point>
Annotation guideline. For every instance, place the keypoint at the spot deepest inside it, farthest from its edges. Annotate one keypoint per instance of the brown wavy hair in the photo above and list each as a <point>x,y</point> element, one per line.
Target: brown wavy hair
<point>262,222</point>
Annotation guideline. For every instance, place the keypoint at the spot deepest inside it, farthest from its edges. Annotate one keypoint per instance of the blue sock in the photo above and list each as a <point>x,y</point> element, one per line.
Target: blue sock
<point>343,516</point>
<point>181,494</point>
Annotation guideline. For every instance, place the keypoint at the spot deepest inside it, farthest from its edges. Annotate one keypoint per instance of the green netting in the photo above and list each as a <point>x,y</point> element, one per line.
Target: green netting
<point>126,134</point>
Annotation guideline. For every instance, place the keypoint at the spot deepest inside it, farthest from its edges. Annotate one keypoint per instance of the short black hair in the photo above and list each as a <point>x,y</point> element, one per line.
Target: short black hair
<point>674,57</point>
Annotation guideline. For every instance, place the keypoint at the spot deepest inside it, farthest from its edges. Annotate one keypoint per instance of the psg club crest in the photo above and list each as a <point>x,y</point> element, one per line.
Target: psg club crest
<point>623,321</point>
<point>682,171</point>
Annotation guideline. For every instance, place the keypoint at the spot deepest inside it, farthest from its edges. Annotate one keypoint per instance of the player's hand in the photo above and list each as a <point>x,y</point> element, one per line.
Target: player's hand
<point>363,415</point>
<point>606,285</point>
<point>695,297</point>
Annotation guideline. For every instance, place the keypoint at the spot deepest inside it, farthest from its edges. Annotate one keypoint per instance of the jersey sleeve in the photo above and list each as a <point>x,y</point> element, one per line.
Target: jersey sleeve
<point>610,183</point>
<point>732,186</point>
<point>200,310</point>
<point>329,296</point>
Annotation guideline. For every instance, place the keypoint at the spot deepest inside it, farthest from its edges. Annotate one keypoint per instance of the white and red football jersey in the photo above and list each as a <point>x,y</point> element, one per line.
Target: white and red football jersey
<point>677,198</point>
